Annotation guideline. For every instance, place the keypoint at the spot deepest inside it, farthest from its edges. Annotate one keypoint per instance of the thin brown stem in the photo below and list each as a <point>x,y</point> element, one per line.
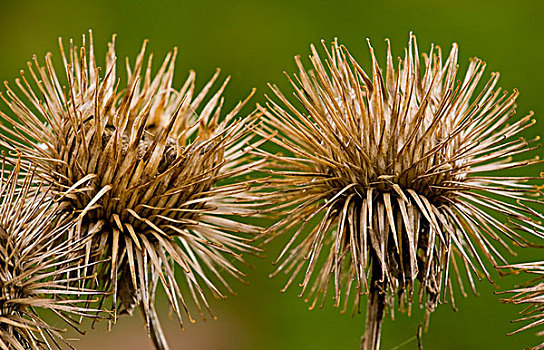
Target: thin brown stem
<point>157,334</point>
<point>374,311</point>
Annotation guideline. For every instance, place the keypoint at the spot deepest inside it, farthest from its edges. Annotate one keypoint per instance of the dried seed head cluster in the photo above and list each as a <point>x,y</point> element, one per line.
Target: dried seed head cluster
<point>153,183</point>
<point>394,177</point>
<point>34,269</point>
<point>531,296</point>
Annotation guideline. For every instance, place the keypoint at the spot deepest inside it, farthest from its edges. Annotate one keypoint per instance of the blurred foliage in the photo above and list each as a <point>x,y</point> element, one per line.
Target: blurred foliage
<point>255,41</point>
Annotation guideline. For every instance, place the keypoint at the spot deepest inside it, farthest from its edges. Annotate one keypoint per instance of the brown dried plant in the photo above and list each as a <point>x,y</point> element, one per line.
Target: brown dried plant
<point>394,177</point>
<point>531,296</point>
<point>154,183</point>
<point>36,273</point>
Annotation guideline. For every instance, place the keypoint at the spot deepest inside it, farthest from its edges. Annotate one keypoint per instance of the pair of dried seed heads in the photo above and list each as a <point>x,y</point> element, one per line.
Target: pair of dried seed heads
<point>385,179</point>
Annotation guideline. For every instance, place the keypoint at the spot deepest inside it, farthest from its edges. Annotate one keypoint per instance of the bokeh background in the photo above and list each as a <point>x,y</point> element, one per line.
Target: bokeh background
<point>255,41</point>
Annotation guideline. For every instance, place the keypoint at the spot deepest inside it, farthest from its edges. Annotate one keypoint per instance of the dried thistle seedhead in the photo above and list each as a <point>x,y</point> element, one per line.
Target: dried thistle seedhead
<point>154,183</point>
<point>531,296</point>
<point>34,269</point>
<point>392,178</point>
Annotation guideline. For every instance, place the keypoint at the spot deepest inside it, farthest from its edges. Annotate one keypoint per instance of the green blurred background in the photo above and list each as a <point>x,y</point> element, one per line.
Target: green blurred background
<point>254,41</point>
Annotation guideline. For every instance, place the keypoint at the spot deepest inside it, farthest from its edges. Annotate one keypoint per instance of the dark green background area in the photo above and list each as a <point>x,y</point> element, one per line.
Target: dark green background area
<point>255,41</point>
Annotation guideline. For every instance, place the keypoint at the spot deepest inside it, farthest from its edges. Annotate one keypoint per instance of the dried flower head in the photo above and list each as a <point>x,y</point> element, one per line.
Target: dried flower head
<point>152,182</point>
<point>34,269</point>
<point>390,178</point>
<point>530,295</point>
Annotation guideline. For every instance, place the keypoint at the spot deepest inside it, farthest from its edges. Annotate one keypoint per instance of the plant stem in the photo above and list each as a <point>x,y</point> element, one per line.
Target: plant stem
<point>157,334</point>
<point>374,311</point>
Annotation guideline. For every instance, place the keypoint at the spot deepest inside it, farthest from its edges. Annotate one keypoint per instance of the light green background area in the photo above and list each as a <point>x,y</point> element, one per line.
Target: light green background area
<point>254,41</point>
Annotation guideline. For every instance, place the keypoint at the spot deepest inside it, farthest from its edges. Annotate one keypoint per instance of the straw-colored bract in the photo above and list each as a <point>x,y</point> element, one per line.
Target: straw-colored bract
<point>530,296</point>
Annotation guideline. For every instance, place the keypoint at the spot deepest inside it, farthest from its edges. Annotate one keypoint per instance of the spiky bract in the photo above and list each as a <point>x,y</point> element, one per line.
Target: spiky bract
<point>152,181</point>
<point>531,296</point>
<point>35,272</point>
<point>391,177</point>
